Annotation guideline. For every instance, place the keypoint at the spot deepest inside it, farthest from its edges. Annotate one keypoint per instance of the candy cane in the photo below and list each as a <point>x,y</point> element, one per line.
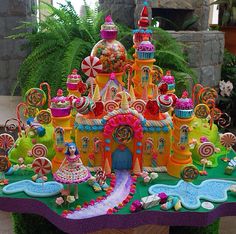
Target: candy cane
<point>22,104</point>
<point>195,91</point>
<point>49,91</point>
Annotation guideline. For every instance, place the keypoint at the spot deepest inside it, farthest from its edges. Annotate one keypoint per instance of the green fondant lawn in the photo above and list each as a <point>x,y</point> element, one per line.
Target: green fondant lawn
<point>86,193</point>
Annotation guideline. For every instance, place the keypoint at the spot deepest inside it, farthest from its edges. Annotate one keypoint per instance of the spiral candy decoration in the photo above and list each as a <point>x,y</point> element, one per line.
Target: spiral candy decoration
<point>39,150</point>
<point>44,117</point>
<point>123,134</point>
<point>201,111</point>
<point>206,149</point>
<point>35,97</point>
<point>111,105</point>
<point>189,173</point>
<point>224,120</point>
<point>139,105</point>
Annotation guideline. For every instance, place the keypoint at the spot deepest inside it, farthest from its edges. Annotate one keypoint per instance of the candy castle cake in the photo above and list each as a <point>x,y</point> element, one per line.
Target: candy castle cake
<point>128,125</point>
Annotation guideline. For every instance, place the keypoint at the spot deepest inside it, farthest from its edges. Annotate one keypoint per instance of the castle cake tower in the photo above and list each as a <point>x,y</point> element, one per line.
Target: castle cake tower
<point>144,56</point>
<point>183,116</point>
<point>111,53</point>
<point>63,125</point>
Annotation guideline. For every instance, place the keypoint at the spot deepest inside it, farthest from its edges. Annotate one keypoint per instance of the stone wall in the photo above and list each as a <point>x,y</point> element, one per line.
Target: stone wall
<point>205,50</point>
<point>122,11</point>
<point>12,12</point>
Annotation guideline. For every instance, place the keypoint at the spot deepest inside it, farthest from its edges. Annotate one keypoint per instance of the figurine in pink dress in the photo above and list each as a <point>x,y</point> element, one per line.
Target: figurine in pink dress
<point>72,170</point>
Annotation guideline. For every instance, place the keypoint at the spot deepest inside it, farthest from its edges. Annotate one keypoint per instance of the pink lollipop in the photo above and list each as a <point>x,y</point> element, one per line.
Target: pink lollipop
<point>91,66</point>
<point>6,141</point>
<point>42,166</point>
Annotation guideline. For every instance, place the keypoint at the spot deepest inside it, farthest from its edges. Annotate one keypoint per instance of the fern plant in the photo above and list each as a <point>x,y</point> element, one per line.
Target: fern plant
<point>60,43</point>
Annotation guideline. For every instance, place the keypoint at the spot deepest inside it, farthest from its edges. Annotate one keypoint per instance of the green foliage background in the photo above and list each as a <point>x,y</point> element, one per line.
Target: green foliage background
<point>60,43</point>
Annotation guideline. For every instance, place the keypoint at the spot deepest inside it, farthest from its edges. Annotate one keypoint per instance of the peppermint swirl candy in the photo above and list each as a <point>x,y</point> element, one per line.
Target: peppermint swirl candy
<point>111,105</point>
<point>224,121</point>
<point>44,117</point>
<point>35,97</point>
<point>206,149</point>
<point>123,134</point>
<point>83,105</point>
<point>201,111</point>
<point>139,105</point>
<point>228,139</point>
<point>42,166</point>
<point>39,150</point>
<point>189,173</point>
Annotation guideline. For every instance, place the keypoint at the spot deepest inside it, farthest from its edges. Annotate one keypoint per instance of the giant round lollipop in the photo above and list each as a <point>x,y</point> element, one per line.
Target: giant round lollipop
<point>6,141</point>
<point>42,166</point>
<point>35,97</point>
<point>91,66</point>
<point>228,140</point>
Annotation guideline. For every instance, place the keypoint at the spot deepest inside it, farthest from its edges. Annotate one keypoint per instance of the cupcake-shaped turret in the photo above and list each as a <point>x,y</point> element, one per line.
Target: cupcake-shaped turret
<point>72,83</point>
<point>170,81</point>
<point>108,29</point>
<point>146,49</point>
<point>184,106</point>
<point>60,105</point>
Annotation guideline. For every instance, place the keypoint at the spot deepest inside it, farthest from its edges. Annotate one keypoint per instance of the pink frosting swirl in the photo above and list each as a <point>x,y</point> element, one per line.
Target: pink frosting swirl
<point>146,46</point>
<point>184,103</point>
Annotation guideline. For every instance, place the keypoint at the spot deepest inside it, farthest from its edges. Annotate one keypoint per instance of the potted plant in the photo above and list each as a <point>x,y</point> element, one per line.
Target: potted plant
<point>227,22</point>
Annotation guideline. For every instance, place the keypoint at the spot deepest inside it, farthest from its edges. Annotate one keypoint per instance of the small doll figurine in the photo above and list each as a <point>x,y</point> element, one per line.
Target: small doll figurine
<point>72,170</point>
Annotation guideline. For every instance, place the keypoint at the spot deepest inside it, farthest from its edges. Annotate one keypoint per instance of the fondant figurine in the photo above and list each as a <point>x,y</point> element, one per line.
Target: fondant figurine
<point>72,171</point>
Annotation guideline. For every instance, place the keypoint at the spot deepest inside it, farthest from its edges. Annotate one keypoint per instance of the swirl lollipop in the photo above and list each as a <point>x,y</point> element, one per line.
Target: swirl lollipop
<point>111,105</point>
<point>205,150</point>
<point>207,93</point>
<point>201,111</point>
<point>139,105</point>
<point>44,117</point>
<point>189,173</point>
<point>224,121</point>
<point>39,150</point>
<point>227,140</point>
<point>35,97</point>
<point>6,141</point>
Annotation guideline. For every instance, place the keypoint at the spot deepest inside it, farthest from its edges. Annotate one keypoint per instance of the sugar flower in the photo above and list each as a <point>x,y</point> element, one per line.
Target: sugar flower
<point>226,88</point>
<point>153,175</point>
<point>59,201</point>
<point>146,179</point>
<point>70,199</point>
